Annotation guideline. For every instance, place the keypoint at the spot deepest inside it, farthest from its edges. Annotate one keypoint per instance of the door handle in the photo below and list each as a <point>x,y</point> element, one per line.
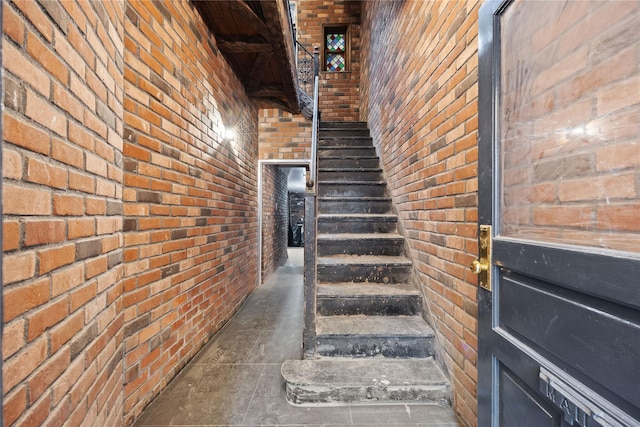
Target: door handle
<point>477,266</point>
<point>482,265</point>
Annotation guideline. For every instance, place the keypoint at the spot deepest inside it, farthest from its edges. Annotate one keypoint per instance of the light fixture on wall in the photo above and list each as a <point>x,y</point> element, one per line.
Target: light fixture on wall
<point>228,133</point>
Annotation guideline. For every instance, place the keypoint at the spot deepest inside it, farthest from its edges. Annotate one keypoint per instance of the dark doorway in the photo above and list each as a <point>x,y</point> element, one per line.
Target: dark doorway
<point>295,190</point>
<point>282,188</point>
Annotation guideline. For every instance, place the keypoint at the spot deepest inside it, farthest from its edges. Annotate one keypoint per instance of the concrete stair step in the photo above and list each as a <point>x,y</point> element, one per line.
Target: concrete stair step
<point>349,169</point>
<point>334,381</point>
<point>353,174</point>
<point>357,223</point>
<point>366,268</point>
<point>343,125</point>
<point>337,151</point>
<point>354,205</point>
<point>391,244</point>
<point>348,162</point>
<point>352,188</point>
<point>340,299</point>
<point>366,336</point>
<point>326,132</point>
<point>345,141</point>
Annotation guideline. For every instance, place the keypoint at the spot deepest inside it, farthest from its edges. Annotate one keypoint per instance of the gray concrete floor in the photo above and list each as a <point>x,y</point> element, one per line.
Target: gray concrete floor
<point>235,380</point>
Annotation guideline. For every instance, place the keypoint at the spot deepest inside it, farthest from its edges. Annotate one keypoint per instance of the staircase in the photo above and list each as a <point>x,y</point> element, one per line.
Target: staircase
<point>371,341</point>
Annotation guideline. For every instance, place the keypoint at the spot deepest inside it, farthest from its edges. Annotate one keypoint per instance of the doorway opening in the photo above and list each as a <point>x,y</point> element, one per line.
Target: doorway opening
<point>281,212</point>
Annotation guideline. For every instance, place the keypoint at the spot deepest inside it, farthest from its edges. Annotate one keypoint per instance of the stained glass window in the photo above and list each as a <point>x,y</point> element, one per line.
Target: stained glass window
<point>335,62</point>
<point>335,48</point>
<point>335,42</point>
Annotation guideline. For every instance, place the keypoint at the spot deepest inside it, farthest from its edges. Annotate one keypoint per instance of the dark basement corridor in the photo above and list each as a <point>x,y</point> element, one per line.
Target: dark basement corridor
<point>235,379</point>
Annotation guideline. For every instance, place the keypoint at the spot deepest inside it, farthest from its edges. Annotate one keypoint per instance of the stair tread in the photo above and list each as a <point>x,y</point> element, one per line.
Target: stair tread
<point>345,182</point>
<point>340,147</point>
<point>333,133</point>
<point>359,217</point>
<point>340,372</point>
<point>350,141</point>
<point>350,169</point>
<point>342,123</point>
<point>359,290</point>
<point>358,236</point>
<point>352,198</point>
<point>369,326</point>
<point>363,259</point>
<point>348,157</point>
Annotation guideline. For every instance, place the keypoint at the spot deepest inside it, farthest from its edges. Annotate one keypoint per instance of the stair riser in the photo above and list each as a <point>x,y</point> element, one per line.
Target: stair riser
<point>355,175</point>
<point>388,247</point>
<point>349,162</point>
<point>342,125</point>
<point>405,305</point>
<point>363,273</point>
<point>315,395</point>
<point>351,190</point>
<point>370,346</point>
<point>345,142</point>
<point>346,152</point>
<point>343,133</point>
<point>354,207</point>
<point>338,227</point>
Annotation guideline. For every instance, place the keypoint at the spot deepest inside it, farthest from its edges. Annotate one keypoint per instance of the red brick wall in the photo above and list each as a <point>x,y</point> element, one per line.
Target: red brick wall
<point>283,136</point>
<point>275,219</point>
<point>419,96</point>
<point>62,205</point>
<point>190,204</point>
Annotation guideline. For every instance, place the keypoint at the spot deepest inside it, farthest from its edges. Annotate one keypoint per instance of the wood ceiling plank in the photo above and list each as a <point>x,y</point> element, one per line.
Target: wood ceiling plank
<point>243,46</point>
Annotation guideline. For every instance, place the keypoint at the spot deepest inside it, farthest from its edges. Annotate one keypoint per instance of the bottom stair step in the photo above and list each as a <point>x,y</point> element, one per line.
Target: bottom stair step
<point>340,381</point>
<point>366,336</point>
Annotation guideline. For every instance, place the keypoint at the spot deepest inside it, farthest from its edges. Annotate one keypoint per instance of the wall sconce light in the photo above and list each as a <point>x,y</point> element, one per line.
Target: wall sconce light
<point>228,134</point>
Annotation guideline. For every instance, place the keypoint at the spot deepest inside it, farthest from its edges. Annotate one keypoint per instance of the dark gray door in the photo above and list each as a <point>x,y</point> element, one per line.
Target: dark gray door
<point>559,184</point>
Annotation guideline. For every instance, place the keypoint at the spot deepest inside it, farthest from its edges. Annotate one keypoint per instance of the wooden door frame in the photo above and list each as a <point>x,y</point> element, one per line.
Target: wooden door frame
<point>488,74</point>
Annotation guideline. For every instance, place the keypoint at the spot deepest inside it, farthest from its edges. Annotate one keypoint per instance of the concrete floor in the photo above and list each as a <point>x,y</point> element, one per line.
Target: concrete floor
<point>235,380</point>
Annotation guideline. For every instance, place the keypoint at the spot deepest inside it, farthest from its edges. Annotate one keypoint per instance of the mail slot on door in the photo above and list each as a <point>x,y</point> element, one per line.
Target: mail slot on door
<point>580,405</point>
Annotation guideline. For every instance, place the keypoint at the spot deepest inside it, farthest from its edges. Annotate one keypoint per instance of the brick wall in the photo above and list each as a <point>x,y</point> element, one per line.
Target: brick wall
<point>62,205</point>
<point>574,90</point>
<point>419,95</point>
<point>283,136</point>
<point>190,203</point>
<point>275,219</point>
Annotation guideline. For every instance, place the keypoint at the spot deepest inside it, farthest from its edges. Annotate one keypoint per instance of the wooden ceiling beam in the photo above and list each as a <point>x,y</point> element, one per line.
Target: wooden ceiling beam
<point>223,15</point>
<point>277,20</point>
<point>255,38</point>
<point>267,92</point>
<point>243,46</point>
<point>257,72</point>
<point>271,102</point>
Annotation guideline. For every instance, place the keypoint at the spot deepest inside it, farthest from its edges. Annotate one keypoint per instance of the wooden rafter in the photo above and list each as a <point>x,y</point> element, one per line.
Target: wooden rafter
<point>255,39</point>
<point>257,72</point>
<point>276,18</point>
<point>242,46</point>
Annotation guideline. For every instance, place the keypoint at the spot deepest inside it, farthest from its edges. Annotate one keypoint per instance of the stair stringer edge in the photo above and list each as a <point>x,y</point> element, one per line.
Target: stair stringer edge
<point>438,347</point>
